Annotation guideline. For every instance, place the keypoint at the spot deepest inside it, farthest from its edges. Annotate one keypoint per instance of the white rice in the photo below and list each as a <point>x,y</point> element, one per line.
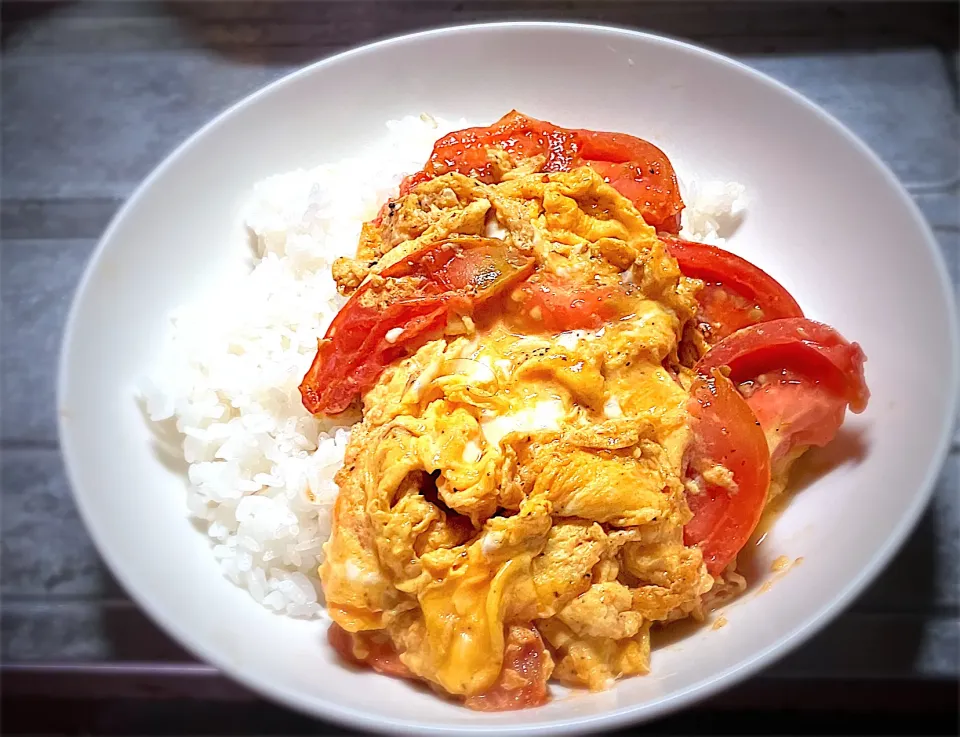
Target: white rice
<point>261,467</point>
<point>713,210</point>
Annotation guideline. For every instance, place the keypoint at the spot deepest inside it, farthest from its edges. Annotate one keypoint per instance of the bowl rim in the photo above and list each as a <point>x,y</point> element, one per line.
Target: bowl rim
<point>617,717</point>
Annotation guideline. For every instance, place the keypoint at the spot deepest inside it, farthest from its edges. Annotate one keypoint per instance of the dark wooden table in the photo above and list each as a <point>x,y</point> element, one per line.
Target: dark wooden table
<point>94,95</point>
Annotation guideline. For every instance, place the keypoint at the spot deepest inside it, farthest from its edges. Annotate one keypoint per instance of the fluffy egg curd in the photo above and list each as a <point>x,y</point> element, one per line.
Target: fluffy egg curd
<point>568,428</point>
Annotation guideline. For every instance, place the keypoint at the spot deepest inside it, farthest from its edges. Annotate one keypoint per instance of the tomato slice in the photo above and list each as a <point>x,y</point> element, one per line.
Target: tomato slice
<point>797,375</point>
<point>523,679</point>
<point>465,150</point>
<point>726,434</point>
<point>379,652</point>
<point>553,305</point>
<point>793,411</point>
<point>450,276</point>
<point>802,345</point>
<point>736,293</point>
<point>522,682</point>
<point>640,171</point>
<point>636,168</point>
<point>477,267</point>
<point>355,351</point>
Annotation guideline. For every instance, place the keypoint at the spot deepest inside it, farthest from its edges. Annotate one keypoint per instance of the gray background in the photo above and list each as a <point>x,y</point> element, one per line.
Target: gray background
<point>94,95</point>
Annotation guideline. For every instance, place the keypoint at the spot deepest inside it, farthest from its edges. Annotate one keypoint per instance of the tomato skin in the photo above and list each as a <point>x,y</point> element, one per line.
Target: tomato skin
<point>636,168</point>
<point>794,412</point>
<point>522,682</point>
<point>807,347</point>
<point>475,266</point>
<point>465,150</point>
<point>798,376</point>
<point>355,350</point>
<point>640,171</point>
<point>450,276</point>
<point>523,679</point>
<point>726,433</point>
<point>381,655</point>
<point>736,293</point>
<point>555,305</point>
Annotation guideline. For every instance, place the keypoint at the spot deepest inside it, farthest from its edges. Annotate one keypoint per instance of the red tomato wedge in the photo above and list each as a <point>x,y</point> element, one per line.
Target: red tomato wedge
<point>379,653</point>
<point>356,348</point>
<point>556,305</point>
<point>726,434</point>
<point>794,412</point>
<point>736,293</point>
<point>636,168</point>
<point>450,276</point>
<point>639,171</point>
<point>523,679</point>
<point>797,375</point>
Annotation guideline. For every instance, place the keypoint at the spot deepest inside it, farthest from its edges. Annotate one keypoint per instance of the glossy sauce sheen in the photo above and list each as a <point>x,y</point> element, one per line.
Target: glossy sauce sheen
<point>636,168</point>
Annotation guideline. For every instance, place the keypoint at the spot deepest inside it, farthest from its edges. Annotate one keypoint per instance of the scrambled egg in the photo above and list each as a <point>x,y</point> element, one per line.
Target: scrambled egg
<point>504,474</point>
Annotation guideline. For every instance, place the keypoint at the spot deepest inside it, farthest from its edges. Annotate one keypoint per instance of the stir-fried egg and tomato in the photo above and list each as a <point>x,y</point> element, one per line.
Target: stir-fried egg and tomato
<point>572,419</point>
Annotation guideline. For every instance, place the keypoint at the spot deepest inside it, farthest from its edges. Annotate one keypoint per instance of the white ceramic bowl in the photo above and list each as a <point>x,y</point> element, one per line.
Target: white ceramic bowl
<point>826,218</point>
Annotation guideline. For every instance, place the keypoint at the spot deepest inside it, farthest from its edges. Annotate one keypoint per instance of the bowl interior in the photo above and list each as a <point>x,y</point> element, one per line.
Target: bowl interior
<point>825,218</point>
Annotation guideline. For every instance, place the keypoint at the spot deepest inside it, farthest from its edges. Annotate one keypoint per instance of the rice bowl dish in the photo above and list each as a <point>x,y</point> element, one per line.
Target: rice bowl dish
<point>230,379</point>
<point>177,241</point>
<point>604,266</point>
